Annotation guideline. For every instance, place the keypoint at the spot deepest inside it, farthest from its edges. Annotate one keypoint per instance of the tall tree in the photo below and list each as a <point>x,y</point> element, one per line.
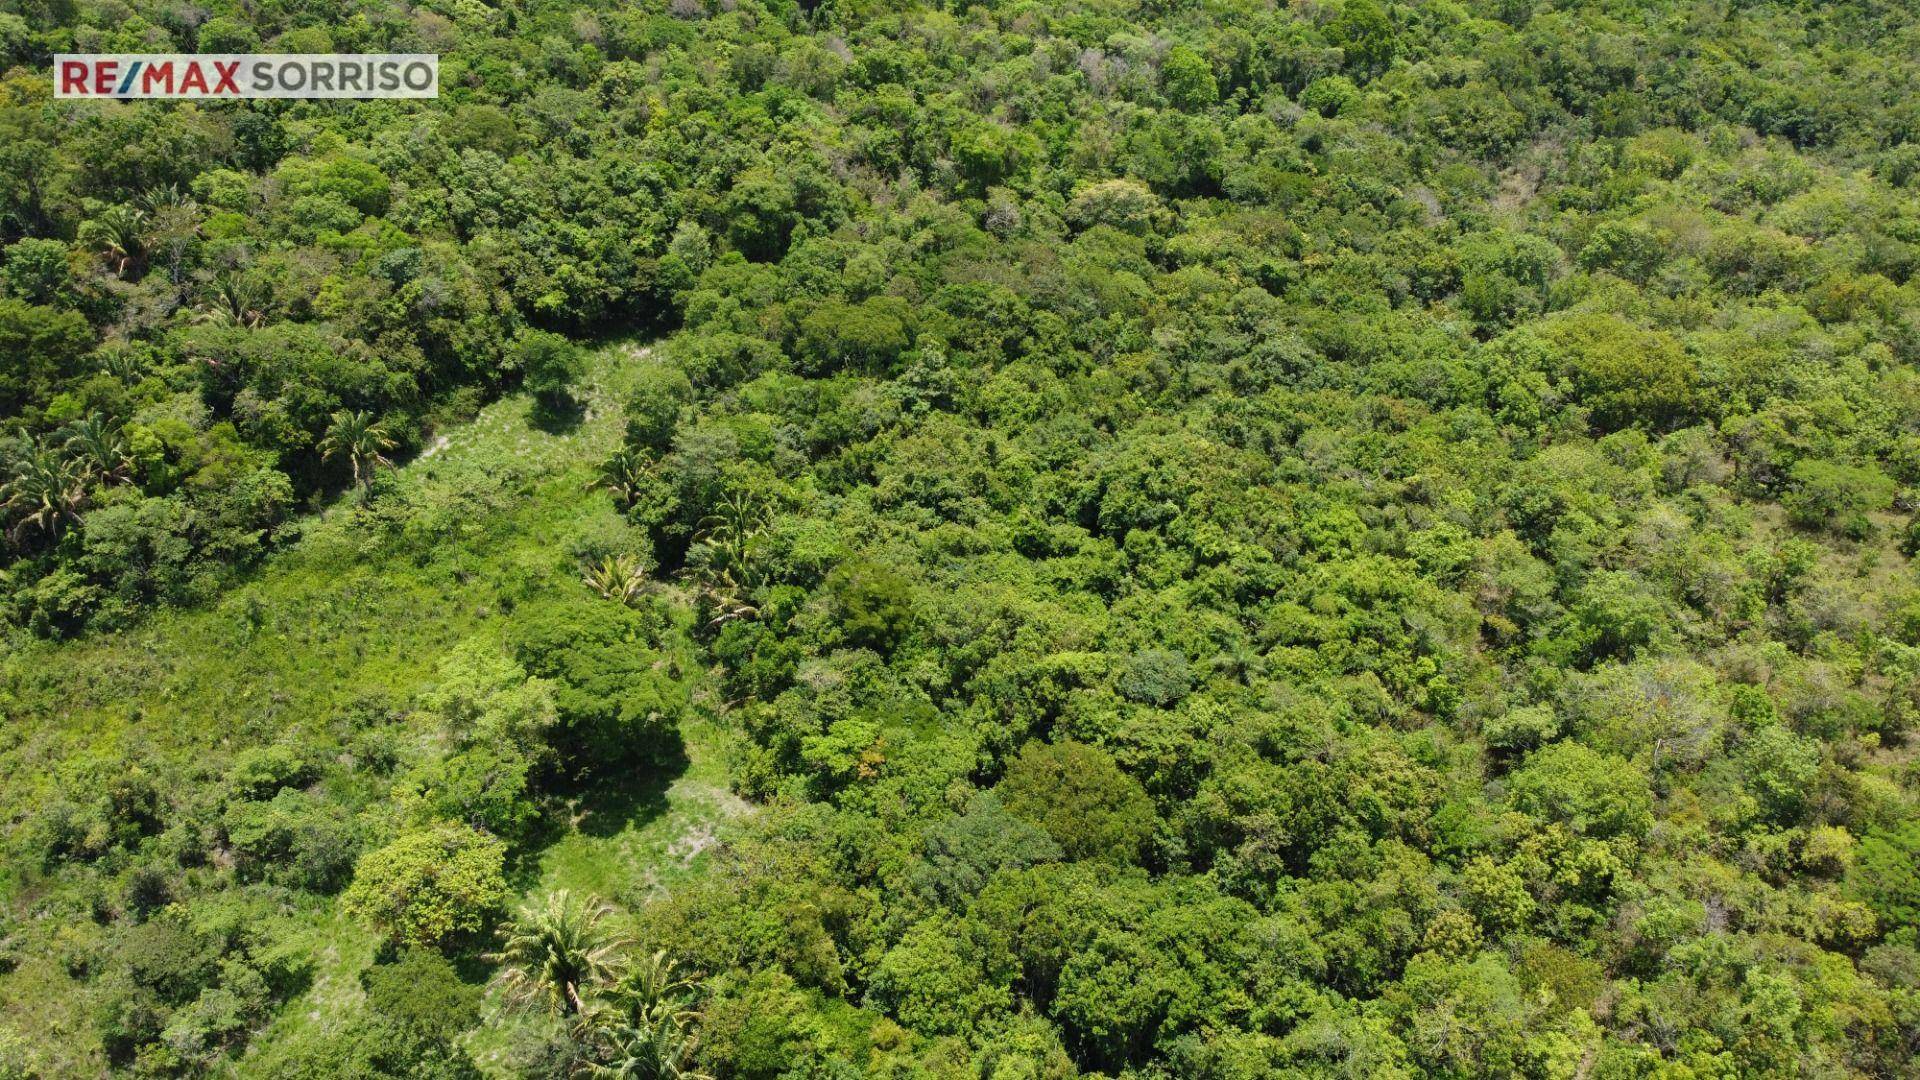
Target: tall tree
<point>557,952</point>
<point>361,439</point>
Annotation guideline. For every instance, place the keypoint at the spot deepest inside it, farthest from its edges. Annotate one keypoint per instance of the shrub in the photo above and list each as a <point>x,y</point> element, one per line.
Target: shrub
<point>1836,498</point>
<point>617,701</point>
<point>864,337</point>
<point>421,991</point>
<point>549,365</point>
<point>488,787</point>
<point>1188,79</point>
<point>873,604</point>
<point>434,886</point>
<point>1156,677</point>
<point>1886,875</point>
<point>294,838</point>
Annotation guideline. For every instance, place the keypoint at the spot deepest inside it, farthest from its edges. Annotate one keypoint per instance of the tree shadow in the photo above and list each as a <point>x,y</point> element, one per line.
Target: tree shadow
<point>612,803</point>
<point>560,415</point>
<point>630,797</point>
<point>472,965</point>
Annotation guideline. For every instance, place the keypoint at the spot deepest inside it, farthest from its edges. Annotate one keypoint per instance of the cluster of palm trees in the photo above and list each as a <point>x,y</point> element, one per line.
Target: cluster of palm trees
<point>125,235</point>
<point>720,559</point>
<point>633,1016</point>
<point>47,480</point>
<point>719,563</point>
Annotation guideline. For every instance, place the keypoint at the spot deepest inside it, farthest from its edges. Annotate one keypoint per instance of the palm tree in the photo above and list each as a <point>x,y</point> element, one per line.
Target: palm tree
<point>46,490</point>
<point>644,1035</point>
<point>720,557</point>
<point>641,1051</point>
<point>118,234</point>
<point>124,364</point>
<point>362,439</point>
<point>655,989</point>
<point>165,197</point>
<point>627,474</point>
<point>617,577</point>
<point>728,532</point>
<point>234,302</point>
<point>557,953</point>
<point>720,587</point>
<point>101,449</point>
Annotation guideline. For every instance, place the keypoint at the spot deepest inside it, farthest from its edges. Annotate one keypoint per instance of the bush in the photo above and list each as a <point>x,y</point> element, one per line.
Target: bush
<point>260,772</point>
<point>1627,375</point>
<point>962,851</point>
<point>873,604</point>
<point>1886,875</point>
<point>39,346</point>
<point>1520,729</point>
<point>37,270</point>
<point>549,365</point>
<point>1156,677</point>
<point>1836,498</point>
<point>295,838</point>
<point>170,957</point>
<point>436,886</point>
<point>1127,205</point>
<point>864,337</point>
<point>1188,79</point>
<point>488,787</point>
<point>420,991</point>
<point>616,699</point>
<point>1330,95</point>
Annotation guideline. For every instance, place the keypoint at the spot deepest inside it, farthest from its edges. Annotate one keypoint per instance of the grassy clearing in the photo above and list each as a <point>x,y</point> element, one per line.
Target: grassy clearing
<point>633,847</point>
<point>484,519</point>
<point>367,596</point>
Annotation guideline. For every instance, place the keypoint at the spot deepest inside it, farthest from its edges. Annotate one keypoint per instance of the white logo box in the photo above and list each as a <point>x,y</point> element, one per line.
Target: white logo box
<point>237,76</point>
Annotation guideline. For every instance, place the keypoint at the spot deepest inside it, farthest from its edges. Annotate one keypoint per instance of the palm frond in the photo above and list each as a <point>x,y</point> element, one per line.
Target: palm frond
<point>616,577</point>
<point>557,953</point>
<point>101,449</point>
<point>361,439</point>
<point>44,492</point>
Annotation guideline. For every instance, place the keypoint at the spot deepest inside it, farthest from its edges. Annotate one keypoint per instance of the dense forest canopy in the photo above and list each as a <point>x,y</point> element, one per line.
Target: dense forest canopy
<point>1150,538</point>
